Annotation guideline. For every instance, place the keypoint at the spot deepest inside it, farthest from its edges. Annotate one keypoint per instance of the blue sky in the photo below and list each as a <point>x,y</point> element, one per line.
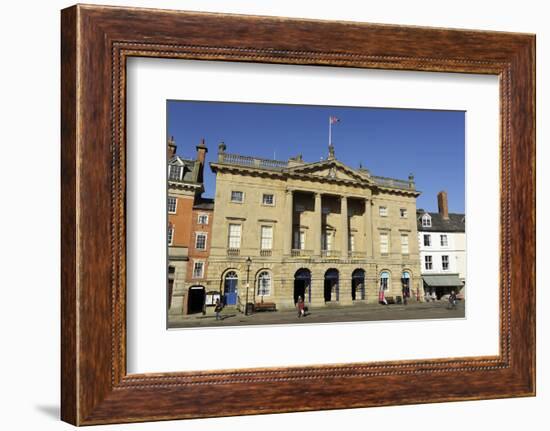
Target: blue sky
<point>388,142</point>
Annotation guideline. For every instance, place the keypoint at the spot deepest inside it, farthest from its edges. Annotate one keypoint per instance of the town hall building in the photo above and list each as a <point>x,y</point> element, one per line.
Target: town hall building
<point>323,231</point>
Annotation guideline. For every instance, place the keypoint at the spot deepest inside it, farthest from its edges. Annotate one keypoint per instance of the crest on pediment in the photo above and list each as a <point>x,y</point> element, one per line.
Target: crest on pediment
<point>330,169</point>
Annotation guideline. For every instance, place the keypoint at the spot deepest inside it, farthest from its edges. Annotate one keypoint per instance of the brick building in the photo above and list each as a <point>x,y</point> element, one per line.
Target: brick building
<point>185,187</point>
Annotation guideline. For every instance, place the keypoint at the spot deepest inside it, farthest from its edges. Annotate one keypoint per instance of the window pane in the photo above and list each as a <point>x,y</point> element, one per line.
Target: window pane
<point>234,236</point>
<point>384,243</point>
<point>264,283</point>
<point>174,172</point>
<point>172,204</point>
<point>267,238</point>
<point>201,241</point>
<point>197,269</point>
<point>405,244</point>
<point>236,196</point>
<point>267,199</point>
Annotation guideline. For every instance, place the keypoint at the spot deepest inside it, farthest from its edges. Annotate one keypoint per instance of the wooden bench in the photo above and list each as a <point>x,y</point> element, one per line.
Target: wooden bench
<point>265,306</point>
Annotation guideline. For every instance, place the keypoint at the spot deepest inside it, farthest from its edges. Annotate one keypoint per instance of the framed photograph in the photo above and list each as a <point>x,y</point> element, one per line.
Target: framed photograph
<point>324,214</point>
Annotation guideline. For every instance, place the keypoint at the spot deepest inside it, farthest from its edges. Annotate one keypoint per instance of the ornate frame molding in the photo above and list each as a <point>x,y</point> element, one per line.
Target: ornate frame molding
<point>96,41</point>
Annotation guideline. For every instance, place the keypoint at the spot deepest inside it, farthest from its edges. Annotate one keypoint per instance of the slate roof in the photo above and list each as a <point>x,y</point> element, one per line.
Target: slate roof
<point>456,222</point>
<point>190,168</point>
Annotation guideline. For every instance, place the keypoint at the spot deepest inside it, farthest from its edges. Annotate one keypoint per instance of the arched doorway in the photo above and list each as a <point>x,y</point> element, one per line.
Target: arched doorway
<point>332,291</point>
<point>384,286</point>
<point>302,285</point>
<point>358,284</point>
<point>406,285</point>
<point>230,288</point>
<point>195,299</point>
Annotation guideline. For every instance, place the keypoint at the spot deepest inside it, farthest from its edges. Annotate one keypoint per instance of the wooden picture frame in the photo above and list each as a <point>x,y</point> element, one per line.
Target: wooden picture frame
<point>95,42</point>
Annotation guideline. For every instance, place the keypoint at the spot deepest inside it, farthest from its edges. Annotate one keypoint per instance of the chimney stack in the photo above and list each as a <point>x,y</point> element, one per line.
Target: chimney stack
<point>443,205</point>
<point>201,151</point>
<point>201,158</point>
<point>172,147</point>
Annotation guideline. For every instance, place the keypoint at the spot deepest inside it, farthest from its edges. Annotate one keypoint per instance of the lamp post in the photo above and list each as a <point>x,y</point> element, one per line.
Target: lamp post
<point>248,263</point>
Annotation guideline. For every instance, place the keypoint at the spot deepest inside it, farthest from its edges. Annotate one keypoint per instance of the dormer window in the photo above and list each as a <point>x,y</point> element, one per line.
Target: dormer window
<point>174,172</point>
<point>426,220</point>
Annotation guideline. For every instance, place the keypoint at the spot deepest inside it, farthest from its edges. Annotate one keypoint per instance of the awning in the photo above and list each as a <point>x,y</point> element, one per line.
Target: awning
<point>445,280</point>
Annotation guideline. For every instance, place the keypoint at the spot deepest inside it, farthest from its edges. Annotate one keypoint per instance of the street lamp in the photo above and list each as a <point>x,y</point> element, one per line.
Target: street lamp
<point>248,263</point>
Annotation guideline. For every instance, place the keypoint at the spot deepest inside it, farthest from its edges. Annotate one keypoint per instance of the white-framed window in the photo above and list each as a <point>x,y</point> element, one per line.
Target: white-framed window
<point>198,269</point>
<point>427,240</point>
<point>384,242</point>
<point>403,212</point>
<point>268,199</point>
<point>237,196</point>
<point>299,239</point>
<point>172,204</point>
<point>428,263</point>
<point>200,241</point>
<point>404,243</point>
<point>327,240</point>
<point>444,240</point>
<point>445,262</point>
<point>351,243</point>
<point>174,172</point>
<point>234,236</point>
<point>266,242</point>
<point>170,234</point>
<point>202,219</point>
<point>264,283</point>
<point>383,211</point>
<point>426,220</point>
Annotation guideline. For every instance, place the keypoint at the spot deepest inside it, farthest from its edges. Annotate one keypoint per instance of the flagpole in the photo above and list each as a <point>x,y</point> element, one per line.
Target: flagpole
<point>329,131</point>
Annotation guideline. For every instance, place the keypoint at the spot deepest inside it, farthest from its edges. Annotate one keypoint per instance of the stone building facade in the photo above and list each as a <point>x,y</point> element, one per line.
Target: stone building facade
<point>324,231</point>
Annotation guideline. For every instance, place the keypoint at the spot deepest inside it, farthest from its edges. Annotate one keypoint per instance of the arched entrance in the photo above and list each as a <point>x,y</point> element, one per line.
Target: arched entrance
<point>358,284</point>
<point>302,285</point>
<point>332,291</point>
<point>406,285</point>
<point>384,286</point>
<point>195,299</point>
<point>230,288</point>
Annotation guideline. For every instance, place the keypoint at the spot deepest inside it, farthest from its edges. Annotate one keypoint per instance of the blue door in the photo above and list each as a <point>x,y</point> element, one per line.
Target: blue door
<point>230,288</point>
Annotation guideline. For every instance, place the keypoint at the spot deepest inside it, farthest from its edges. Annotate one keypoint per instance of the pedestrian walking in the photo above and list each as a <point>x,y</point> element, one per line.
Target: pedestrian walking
<point>406,294</point>
<point>218,308</point>
<point>382,297</point>
<point>452,300</point>
<point>301,307</point>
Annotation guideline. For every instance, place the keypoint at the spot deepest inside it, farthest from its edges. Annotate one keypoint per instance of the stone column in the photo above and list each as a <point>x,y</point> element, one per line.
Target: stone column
<point>344,226</point>
<point>369,240</point>
<point>316,231</point>
<point>289,225</point>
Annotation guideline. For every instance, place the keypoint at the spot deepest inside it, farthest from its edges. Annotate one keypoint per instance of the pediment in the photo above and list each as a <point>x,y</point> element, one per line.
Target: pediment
<point>330,169</point>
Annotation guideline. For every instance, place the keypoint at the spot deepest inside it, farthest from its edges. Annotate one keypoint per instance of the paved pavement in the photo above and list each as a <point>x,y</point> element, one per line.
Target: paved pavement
<point>353,313</point>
